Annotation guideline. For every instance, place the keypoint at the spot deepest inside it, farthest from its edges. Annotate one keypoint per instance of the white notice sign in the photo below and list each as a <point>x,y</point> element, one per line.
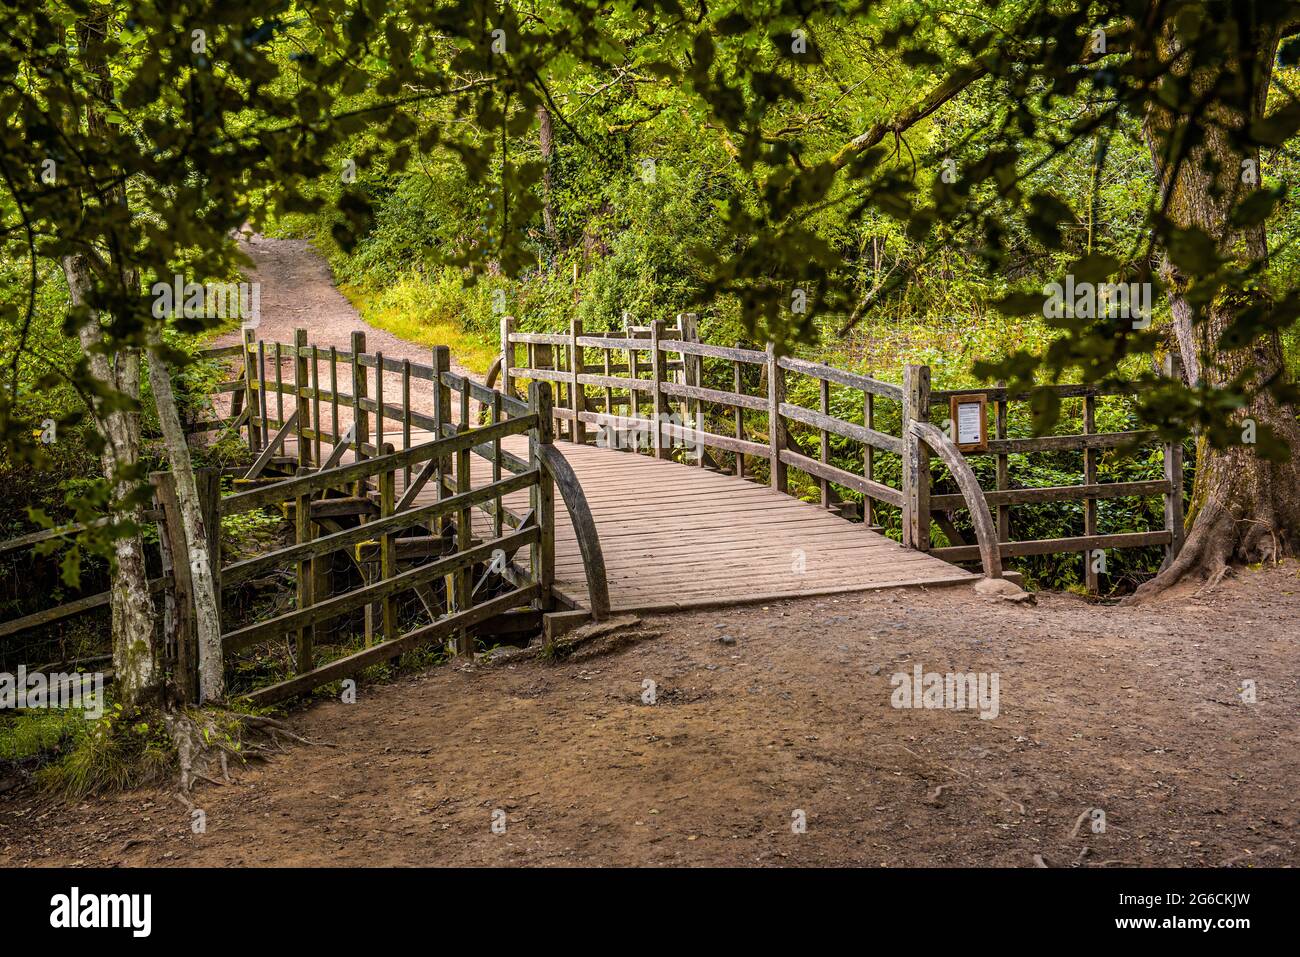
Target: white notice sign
<point>970,423</point>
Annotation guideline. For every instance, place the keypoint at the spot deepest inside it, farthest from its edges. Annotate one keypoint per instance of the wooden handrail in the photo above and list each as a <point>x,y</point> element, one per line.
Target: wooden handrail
<point>353,471</point>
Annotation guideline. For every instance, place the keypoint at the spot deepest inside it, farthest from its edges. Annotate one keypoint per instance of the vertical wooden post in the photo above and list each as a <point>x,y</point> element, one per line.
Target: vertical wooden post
<point>360,424</point>
<point>497,513</point>
<point>658,401</point>
<point>739,413</point>
<point>406,417</point>
<point>633,372</point>
<point>542,495</point>
<point>334,395</point>
<point>252,395</point>
<point>609,393</point>
<point>577,391</point>
<point>1173,456</point>
<point>441,361</point>
<point>1090,576</point>
<point>692,375</point>
<point>1004,471</point>
<point>824,394</point>
<point>301,398</point>
<point>916,459</point>
<point>262,404</point>
<point>869,459</point>
<point>507,355</point>
<point>315,404</point>
<point>279,389</point>
<point>305,640</point>
<point>775,422</point>
<point>463,584</point>
<point>388,544</point>
<point>379,400</point>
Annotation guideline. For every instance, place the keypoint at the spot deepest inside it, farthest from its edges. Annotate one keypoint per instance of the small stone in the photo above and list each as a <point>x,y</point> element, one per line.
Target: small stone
<point>727,639</point>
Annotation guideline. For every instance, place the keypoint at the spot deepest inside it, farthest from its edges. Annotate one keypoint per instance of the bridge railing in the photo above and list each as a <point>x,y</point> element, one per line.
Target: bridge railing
<point>649,383</point>
<point>1092,443</point>
<point>326,455</point>
<point>644,387</point>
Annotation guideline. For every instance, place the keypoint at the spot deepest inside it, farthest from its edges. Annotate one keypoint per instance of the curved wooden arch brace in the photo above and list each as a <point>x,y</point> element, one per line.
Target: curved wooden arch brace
<point>985,530</point>
<point>494,370</point>
<point>493,373</point>
<point>593,560</point>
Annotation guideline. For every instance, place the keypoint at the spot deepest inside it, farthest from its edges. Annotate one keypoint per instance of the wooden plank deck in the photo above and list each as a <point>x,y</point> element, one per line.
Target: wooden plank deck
<point>677,536</point>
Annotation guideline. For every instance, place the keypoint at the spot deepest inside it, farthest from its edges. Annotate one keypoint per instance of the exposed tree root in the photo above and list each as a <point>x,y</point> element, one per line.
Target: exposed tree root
<point>206,740</point>
<point>1204,557</point>
<point>1219,538</point>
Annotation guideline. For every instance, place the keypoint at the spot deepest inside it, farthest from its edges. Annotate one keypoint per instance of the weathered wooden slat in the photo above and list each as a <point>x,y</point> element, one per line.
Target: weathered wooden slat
<point>219,352</point>
<point>544,375</point>
<point>610,342</point>
<point>707,350</point>
<point>1068,443</point>
<point>272,447</point>
<point>358,597</point>
<point>341,507</point>
<point>711,439</point>
<point>940,398</point>
<point>540,338</point>
<point>351,664</point>
<point>1050,546</point>
<point>853,380</point>
<point>1055,493</point>
<point>840,477</point>
<point>68,609</point>
<point>755,402</point>
<point>848,430</point>
<point>291,488</point>
<point>615,382</point>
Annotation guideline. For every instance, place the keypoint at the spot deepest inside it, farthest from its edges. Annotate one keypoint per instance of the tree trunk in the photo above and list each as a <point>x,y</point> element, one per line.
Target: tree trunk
<point>546,140</point>
<point>134,656</point>
<point>1244,507</point>
<point>207,612</point>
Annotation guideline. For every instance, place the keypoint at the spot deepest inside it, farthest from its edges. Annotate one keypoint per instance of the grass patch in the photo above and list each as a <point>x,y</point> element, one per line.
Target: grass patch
<point>425,312</point>
<point>74,757</point>
<point>115,753</point>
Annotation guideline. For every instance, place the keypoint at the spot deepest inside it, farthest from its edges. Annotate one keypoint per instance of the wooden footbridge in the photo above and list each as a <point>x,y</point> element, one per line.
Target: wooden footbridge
<point>671,458</point>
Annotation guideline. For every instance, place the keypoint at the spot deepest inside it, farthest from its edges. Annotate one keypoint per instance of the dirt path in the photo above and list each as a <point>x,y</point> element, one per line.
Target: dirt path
<point>1137,712</point>
<point>298,292</point>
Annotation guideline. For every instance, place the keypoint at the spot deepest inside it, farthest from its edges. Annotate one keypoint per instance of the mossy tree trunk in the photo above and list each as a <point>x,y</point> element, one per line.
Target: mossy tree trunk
<point>1244,507</point>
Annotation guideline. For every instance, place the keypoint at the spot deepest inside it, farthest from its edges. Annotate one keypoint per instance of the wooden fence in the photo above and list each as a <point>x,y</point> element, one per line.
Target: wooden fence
<point>402,517</point>
<point>651,380</point>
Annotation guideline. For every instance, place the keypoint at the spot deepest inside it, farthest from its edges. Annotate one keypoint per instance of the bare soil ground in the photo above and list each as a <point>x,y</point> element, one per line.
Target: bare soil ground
<point>1136,711</point>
